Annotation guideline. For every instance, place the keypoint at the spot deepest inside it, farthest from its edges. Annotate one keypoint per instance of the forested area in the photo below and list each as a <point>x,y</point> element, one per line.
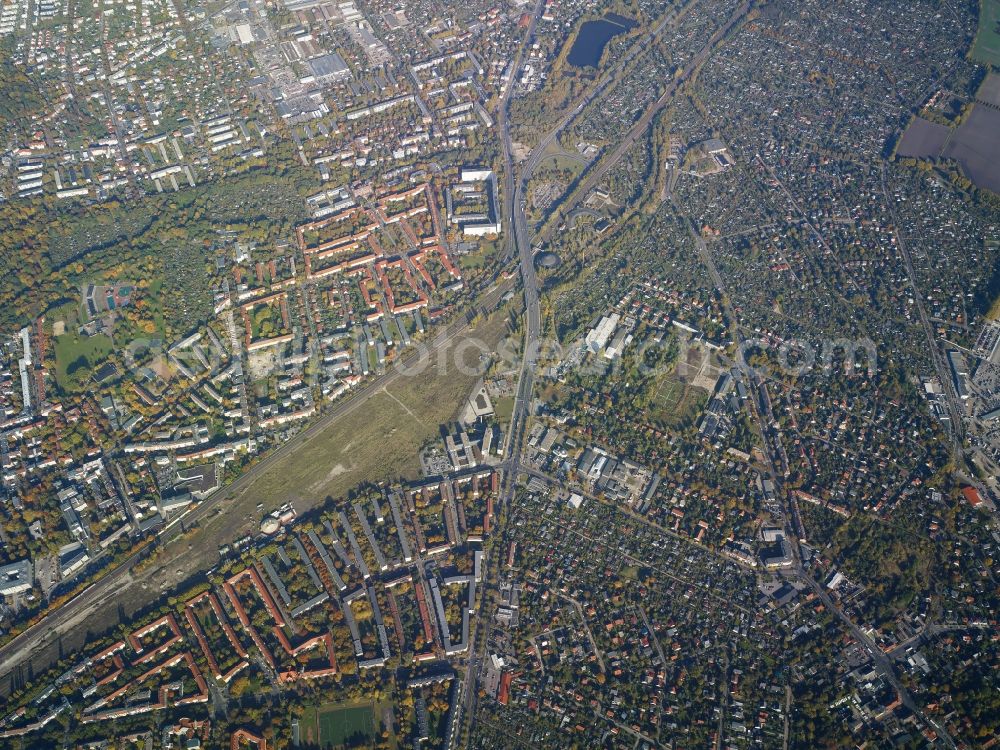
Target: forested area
<point>51,249</point>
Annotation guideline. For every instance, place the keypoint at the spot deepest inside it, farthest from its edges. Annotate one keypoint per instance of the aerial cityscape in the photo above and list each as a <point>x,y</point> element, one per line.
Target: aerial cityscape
<point>505,374</point>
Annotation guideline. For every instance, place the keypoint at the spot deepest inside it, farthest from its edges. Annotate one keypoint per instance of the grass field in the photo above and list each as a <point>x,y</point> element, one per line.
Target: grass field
<point>558,158</point>
<point>994,312</point>
<point>338,725</point>
<point>986,48</point>
<point>77,355</point>
<point>504,408</point>
<point>478,258</point>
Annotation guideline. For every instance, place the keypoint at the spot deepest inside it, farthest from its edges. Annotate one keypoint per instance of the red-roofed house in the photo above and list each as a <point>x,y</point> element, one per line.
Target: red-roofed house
<point>971,494</point>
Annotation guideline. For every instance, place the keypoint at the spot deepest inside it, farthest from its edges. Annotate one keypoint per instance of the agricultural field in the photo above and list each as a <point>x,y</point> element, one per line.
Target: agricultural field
<point>986,48</point>
<point>974,145</point>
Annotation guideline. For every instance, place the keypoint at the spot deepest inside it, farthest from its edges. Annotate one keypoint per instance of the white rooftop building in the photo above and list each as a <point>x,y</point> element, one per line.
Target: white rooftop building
<point>15,578</point>
<point>597,338</point>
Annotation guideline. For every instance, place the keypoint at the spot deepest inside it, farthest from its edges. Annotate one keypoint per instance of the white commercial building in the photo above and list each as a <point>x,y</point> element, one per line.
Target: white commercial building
<point>597,338</point>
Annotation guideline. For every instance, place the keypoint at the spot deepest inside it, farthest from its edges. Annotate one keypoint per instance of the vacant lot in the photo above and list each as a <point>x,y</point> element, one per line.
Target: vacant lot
<point>987,45</point>
<point>675,403</point>
<point>504,408</point>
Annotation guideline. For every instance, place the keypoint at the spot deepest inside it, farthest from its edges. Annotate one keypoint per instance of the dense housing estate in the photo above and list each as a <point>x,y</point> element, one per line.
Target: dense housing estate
<point>499,374</point>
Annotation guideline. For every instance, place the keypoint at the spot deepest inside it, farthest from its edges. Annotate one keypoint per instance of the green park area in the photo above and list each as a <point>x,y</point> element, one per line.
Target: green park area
<point>77,356</point>
<point>986,49</point>
<point>482,257</point>
<point>265,322</point>
<point>338,725</point>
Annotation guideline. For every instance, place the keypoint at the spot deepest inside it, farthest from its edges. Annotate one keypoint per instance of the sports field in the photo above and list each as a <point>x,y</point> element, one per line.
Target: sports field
<point>338,725</point>
<point>986,48</point>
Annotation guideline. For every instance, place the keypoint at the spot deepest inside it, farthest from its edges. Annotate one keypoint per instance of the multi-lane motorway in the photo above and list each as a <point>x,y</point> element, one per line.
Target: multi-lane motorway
<point>41,644</point>
<point>519,246</point>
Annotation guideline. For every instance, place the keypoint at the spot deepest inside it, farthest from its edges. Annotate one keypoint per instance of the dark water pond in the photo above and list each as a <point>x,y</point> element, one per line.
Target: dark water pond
<point>594,37</point>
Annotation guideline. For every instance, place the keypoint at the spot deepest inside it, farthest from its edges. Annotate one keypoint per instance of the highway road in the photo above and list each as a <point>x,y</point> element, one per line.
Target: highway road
<point>516,178</point>
<point>40,645</point>
<point>519,237</point>
<point>521,176</point>
<point>518,240</point>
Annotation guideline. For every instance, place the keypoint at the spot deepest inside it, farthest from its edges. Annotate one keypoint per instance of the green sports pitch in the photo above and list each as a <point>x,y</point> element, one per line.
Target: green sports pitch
<point>338,726</point>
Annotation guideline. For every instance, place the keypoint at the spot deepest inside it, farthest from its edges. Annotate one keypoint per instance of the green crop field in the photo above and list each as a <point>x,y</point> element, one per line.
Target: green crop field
<point>987,45</point>
<point>338,725</point>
